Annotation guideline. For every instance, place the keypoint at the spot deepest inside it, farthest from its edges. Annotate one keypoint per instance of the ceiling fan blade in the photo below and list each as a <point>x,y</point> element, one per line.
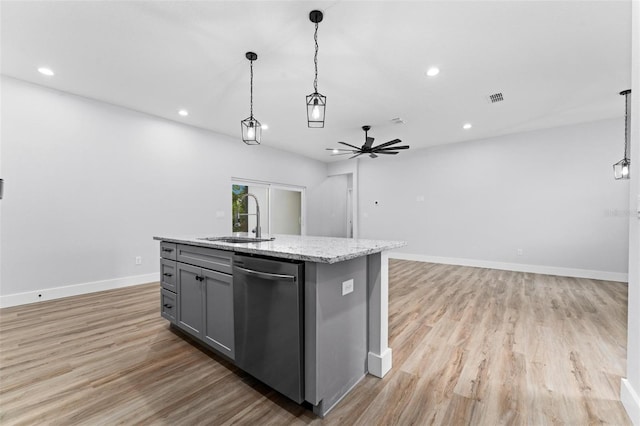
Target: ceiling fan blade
<point>387,152</point>
<point>338,149</point>
<point>369,142</point>
<point>372,155</point>
<point>352,146</point>
<point>382,145</point>
<point>360,153</point>
<point>391,148</point>
<point>342,153</point>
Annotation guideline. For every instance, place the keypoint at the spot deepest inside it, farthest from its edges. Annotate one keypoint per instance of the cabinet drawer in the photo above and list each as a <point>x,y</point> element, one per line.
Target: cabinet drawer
<point>168,305</point>
<point>216,260</point>
<point>168,274</point>
<point>168,250</point>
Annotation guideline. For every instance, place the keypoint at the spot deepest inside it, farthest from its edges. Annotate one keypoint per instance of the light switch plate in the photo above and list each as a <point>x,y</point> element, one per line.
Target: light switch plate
<point>220,213</point>
<point>347,287</point>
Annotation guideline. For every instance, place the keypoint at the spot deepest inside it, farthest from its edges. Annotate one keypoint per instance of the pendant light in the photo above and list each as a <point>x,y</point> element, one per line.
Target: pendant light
<point>316,103</point>
<point>251,128</point>
<point>622,169</point>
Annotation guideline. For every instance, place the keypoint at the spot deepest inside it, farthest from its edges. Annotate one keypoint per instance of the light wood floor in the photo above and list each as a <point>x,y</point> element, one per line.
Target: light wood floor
<point>470,346</point>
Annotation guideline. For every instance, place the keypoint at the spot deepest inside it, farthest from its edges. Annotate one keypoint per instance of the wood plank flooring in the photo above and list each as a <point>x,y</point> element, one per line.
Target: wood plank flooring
<point>470,346</point>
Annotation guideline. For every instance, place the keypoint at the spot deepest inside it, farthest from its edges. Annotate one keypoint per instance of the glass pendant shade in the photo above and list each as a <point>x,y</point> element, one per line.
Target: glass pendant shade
<point>251,131</point>
<point>622,169</point>
<point>316,104</point>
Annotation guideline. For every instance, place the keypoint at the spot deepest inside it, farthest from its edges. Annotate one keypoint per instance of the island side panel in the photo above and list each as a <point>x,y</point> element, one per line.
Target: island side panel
<point>335,331</point>
<point>379,360</point>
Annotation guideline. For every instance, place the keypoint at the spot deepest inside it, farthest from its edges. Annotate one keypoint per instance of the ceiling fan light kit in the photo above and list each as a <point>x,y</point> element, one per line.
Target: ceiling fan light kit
<point>622,169</point>
<point>386,148</point>
<point>316,103</point>
<point>251,128</point>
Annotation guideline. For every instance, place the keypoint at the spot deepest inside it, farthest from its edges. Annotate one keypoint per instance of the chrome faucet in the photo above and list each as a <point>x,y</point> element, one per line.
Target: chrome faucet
<point>256,214</point>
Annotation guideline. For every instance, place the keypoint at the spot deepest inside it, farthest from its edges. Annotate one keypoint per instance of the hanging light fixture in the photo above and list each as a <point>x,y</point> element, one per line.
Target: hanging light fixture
<point>316,103</point>
<point>251,128</point>
<point>622,169</point>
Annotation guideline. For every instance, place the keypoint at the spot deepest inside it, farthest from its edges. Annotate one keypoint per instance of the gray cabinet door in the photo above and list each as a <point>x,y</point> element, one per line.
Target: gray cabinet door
<point>218,325</point>
<point>190,300</point>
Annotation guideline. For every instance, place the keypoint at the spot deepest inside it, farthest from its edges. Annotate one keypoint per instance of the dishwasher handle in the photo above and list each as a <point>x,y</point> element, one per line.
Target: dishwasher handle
<point>266,275</point>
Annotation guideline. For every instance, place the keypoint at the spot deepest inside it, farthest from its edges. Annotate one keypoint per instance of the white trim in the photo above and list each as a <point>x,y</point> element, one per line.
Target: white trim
<point>379,365</point>
<point>379,358</point>
<point>75,289</point>
<point>631,401</point>
<point>518,267</point>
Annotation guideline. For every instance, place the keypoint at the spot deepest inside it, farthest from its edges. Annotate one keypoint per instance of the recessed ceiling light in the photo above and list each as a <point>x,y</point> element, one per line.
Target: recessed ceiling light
<point>265,126</point>
<point>45,71</point>
<point>433,71</point>
<point>335,151</point>
<point>183,112</point>
<point>466,126</point>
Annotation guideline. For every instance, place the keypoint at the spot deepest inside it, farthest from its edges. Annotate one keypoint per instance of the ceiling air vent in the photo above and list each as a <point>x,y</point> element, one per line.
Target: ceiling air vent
<point>496,97</point>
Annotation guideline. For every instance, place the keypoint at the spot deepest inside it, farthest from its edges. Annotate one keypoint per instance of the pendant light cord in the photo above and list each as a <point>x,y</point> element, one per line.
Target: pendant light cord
<point>315,60</point>
<point>251,90</point>
<point>626,126</point>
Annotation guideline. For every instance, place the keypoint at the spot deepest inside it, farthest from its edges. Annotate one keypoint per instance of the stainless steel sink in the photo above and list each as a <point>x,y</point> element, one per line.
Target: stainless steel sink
<point>237,240</point>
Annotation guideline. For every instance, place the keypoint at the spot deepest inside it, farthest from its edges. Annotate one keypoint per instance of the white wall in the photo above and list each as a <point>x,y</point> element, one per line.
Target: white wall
<point>87,186</point>
<point>630,392</point>
<point>327,207</point>
<point>550,193</point>
<point>286,208</point>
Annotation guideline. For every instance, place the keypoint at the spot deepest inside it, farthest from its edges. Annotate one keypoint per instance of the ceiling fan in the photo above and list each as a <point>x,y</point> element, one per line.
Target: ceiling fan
<point>368,148</point>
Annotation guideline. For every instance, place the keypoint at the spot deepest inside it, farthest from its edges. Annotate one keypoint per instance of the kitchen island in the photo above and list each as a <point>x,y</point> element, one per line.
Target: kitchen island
<point>344,308</point>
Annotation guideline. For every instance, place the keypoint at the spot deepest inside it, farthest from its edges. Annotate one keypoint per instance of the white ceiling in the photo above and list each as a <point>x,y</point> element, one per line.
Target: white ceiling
<point>556,62</point>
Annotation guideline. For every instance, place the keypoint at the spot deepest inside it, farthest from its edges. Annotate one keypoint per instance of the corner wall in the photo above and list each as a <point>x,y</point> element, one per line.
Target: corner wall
<point>88,184</point>
<point>630,390</point>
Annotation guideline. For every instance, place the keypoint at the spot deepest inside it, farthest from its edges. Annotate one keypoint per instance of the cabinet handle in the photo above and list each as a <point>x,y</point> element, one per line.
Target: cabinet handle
<point>167,249</point>
<point>168,306</point>
<point>166,274</point>
<point>199,278</point>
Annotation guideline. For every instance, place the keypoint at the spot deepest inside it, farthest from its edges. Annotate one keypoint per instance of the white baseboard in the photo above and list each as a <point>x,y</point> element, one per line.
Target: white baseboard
<point>379,365</point>
<point>631,401</point>
<point>518,267</point>
<point>74,290</point>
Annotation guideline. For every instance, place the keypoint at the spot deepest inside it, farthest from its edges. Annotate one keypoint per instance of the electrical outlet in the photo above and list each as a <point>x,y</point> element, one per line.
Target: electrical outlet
<point>220,214</point>
<point>138,260</point>
<point>520,252</point>
<point>347,287</point>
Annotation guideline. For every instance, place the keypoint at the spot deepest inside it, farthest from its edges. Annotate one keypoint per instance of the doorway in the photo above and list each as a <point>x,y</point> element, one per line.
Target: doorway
<point>282,207</point>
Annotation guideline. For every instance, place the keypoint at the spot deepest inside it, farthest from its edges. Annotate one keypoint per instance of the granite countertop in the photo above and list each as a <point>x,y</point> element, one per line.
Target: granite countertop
<point>307,248</point>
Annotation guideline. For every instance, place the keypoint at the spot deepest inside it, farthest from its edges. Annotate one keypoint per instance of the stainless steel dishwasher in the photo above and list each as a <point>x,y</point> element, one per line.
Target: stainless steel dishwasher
<point>268,318</point>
